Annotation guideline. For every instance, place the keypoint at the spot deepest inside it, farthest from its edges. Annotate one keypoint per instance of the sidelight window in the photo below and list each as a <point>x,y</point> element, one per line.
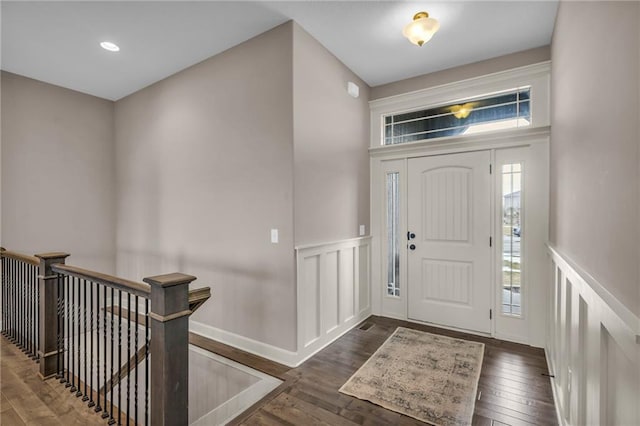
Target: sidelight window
<point>512,234</point>
<point>393,235</point>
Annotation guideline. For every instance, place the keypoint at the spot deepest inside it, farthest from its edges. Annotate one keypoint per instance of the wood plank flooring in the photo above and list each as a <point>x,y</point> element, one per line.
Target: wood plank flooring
<point>27,400</point>
<point>513,389</point>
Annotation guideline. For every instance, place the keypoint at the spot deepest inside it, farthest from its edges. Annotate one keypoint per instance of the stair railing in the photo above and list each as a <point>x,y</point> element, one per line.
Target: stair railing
<point>120,345</point>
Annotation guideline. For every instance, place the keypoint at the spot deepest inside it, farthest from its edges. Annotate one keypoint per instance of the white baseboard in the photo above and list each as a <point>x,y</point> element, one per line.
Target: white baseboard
<point>270,352</point>
<point>556,398</point>
<point>246,344</point>
<point>333,296</point>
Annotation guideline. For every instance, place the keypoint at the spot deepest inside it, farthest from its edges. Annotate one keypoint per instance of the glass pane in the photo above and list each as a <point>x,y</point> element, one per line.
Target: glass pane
<point>501,111</point>
<point>511,239</point>
<point>393,235</point>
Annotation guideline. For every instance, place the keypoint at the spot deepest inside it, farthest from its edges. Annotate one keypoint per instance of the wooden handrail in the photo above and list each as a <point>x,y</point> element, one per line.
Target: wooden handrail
<point>31,260</point>
<point>133,287</point>
<point>197,297</point>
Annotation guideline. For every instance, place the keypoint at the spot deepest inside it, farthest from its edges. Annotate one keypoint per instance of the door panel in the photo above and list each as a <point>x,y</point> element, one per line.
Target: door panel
<point>449,267</point>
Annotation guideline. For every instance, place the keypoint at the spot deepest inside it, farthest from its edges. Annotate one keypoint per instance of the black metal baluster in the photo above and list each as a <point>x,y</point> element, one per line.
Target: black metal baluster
<point>72,335</point>
<point>32,328</point>
<point>91,402</point>
<point>37,325</point>
<point>58,319</point>
<point>98,407</point>
<point>85,397</point>
<point>23,302</point>
<point>14,300</point>
<point>63,322</point>
<point>105,414</point>
<point>128,354</point>
<point>27,307</point>
<point>113,311</point>
<point>29,284</point>
<point>3,283</point>
<point>146,362</point>
<point>68,330</point>
<point>79,350</point>
<point>33,311</point>
<point>119,355</point>
<point>135,382</point>
<point>22,307</point>
<point>2,292</point>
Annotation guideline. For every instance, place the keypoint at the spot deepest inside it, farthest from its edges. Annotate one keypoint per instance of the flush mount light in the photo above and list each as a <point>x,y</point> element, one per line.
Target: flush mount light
<point>111,47</point>
<point>421,29</point>
<point>462,111</point>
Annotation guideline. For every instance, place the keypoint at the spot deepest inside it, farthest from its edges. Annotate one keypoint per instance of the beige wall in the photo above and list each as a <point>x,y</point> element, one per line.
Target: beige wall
<point>489,66</point>
<point>595,177</point>
<point>58,164</point>
<point>205,170</point>
<point>331,137</point>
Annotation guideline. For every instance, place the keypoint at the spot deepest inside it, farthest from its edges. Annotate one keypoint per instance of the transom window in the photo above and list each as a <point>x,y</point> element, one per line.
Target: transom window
<point>505,110</point>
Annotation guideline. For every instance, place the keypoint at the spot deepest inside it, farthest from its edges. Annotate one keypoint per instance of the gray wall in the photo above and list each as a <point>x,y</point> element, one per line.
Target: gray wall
<point>463,72</point>
<point>331,137</point>
<point>58,172</point>
<point>594,217</point>
<point>204,171</point>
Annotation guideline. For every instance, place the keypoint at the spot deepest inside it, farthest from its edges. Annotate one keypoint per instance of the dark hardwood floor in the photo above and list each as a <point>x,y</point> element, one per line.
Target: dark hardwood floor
<point>513,389</point>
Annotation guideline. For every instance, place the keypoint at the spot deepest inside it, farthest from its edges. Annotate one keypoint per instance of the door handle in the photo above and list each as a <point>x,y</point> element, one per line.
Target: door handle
<point>410,235</point>
<point>412,247</point>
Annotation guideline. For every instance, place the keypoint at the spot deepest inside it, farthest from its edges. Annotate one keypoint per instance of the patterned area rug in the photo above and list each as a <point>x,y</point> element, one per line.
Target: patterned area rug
<point>428,377</point>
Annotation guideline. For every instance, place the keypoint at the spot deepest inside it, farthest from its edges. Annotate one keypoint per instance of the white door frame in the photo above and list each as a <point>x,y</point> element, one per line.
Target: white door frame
<point>394,158</point>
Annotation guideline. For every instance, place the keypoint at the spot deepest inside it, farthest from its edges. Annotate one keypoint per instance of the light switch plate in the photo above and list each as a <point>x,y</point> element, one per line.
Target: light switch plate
<point>362,230</point>
<point>274,236</point>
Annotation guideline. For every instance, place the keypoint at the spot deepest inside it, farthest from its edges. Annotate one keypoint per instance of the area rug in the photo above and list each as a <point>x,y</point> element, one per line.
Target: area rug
<point>422,375</point>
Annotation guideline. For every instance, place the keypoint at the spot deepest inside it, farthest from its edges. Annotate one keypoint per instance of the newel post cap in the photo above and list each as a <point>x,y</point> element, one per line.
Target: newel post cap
<point>169,280</point>
<point>52,255</point>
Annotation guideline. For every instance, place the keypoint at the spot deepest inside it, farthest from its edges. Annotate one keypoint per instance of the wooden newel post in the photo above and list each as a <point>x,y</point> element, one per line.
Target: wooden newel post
<point>48,313</point>
<point>169,349</point>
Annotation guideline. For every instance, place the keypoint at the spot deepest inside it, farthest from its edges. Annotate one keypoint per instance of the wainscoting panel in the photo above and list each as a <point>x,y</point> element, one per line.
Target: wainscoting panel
<point>593,350</point>
<point>335,287</point>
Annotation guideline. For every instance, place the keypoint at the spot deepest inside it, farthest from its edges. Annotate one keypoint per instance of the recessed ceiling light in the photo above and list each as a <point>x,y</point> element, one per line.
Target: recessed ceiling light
<point>111,47</point>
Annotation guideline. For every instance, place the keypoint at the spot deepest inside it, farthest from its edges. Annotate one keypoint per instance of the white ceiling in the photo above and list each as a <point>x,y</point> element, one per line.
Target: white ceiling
<point>58,42</point>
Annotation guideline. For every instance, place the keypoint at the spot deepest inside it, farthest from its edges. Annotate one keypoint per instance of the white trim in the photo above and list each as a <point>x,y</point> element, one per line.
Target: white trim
<point>535,76</point>
<point>554,391</point>
<point>504,144</point>
<point>333,291</point>
<point>331,243</point>
<point>500,139</point>
<point>246,344</point>
<point>593,335</point>
<point>614,307</point>
<point>527,71</point>
<point>352,277</point>
<point>234,406</point>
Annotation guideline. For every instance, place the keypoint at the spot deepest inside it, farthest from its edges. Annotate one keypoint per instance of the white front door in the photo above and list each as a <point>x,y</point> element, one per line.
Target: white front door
<point>449,258</point>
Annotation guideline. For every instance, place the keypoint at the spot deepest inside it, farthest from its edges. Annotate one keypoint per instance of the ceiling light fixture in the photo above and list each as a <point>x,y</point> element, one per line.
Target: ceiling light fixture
<point>421,29</point>
<point>111,47</point>
<point>462,111</point>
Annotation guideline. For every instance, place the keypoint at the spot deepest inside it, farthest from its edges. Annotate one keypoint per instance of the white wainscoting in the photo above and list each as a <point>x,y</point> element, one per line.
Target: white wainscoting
<point>334,295</point>
<point>334,291</point>
<point>593,349</point>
